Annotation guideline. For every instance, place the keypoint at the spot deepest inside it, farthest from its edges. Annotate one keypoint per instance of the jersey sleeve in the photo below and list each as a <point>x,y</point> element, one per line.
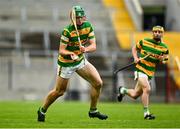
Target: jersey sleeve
<point>166,50</point>
<point>139,45</point>
<point>167,53</point>
<point>91,33</point>
<point>65,35</point>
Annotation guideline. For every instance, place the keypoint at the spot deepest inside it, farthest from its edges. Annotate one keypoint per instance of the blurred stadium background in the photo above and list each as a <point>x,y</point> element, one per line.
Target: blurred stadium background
<point>29,41</point>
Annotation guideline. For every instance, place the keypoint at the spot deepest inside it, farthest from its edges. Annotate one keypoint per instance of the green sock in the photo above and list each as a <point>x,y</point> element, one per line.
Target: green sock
<point>43,110</point>
<point>93,110</point>
<point>146,110</point>
<point>124,90</point>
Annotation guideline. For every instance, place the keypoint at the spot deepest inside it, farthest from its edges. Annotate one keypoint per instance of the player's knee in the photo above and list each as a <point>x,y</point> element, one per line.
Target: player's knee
<point>135,95</point>
<point>99,84</point>
<point>147,90</point>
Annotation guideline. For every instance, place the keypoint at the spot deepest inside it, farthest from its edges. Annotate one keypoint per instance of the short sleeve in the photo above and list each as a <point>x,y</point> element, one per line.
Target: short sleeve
<point>91,33</point>
<point>139,44</point>
<point>65,36</point>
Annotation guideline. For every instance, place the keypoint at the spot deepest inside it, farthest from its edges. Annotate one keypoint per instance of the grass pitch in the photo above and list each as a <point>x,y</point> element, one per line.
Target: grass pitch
<point>22,114</point>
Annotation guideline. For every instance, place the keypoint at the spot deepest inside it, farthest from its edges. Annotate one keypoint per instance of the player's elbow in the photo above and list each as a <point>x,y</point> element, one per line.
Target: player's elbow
<point>133,49</point>
<point>62,52</point>
<point>93,48</point>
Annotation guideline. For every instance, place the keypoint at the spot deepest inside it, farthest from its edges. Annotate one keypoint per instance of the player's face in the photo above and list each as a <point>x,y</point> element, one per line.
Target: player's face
<point>157,34</point>
<point>79,20</point>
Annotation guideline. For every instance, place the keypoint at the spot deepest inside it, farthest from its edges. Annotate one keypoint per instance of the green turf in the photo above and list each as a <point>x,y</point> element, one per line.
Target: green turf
<point>74,115</point>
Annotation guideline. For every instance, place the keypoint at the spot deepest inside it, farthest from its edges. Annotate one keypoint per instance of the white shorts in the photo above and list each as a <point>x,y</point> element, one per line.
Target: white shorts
<point>66,72</point>
<point>139,75</point>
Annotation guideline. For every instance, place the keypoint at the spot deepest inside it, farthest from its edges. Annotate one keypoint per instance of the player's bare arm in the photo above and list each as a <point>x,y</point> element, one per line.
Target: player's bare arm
<point>64,51</point>
<point>90,48</point>
<point>134,53</point>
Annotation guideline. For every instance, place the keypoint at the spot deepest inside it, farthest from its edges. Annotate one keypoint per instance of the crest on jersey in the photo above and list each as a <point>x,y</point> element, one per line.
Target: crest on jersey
<point>65,33</point>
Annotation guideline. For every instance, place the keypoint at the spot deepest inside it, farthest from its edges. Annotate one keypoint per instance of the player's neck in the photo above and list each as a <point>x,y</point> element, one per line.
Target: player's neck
<point>157,39</point>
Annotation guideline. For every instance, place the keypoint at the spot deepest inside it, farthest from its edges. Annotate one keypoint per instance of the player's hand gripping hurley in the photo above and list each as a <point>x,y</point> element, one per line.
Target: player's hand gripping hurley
<point>129,65</point>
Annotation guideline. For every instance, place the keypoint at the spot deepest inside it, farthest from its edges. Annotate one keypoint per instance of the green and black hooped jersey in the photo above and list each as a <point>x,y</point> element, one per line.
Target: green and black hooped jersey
<point>69,37</point>
<point>145,46</point>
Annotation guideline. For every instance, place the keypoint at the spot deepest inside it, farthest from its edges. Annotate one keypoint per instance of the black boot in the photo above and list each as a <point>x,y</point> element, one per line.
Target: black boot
<point>98,115</point>
<point>41,115</point>
<point>120,96</point>
<point>149,117</point>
